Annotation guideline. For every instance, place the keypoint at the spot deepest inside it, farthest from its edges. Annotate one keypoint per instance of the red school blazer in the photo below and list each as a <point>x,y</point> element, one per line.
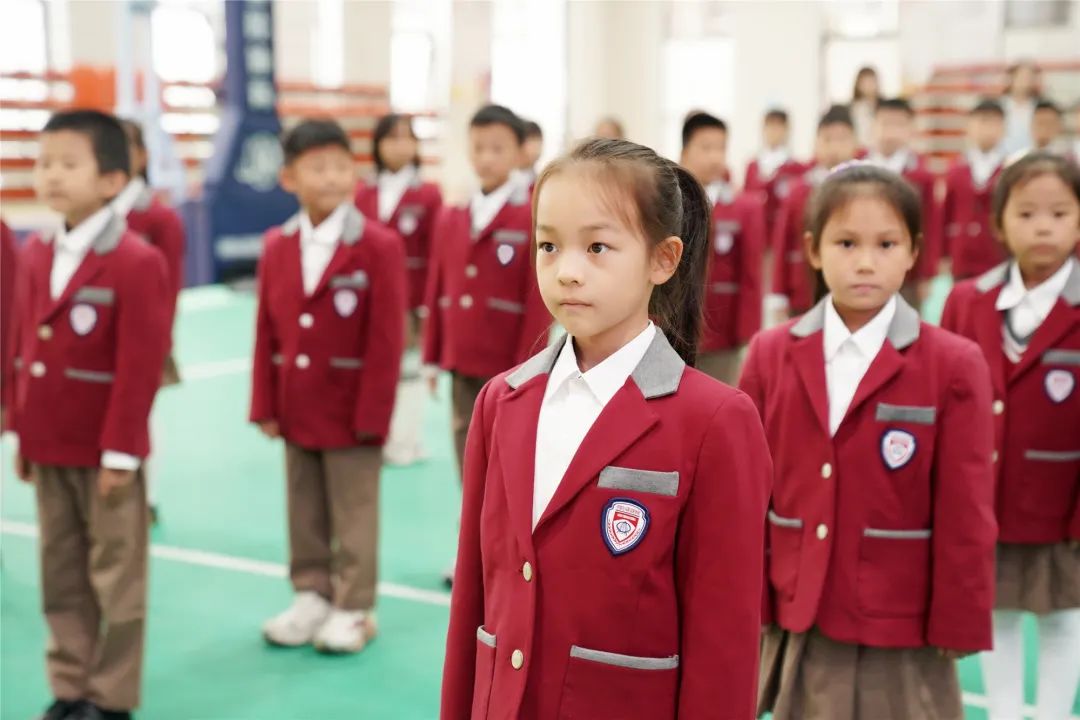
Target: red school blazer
<point>413,219</point>
<point>773,188</point>
<point>9,258</point>
<point>925,183</point>
<point>965,225</point>
<point>1036,408</point>
<point>884,534</point>
<point>88,364</point>
<point>792,275</point>
<point>733,294</point>
<point>327,364</point>
<point>485,312</point>
<point>162,227</point>
<point>638,595</point>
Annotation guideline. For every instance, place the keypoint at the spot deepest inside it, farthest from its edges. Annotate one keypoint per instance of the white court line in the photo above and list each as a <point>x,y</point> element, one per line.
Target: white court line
<point>277,570</point>
<point>202,558</point>
<point>216,368</point>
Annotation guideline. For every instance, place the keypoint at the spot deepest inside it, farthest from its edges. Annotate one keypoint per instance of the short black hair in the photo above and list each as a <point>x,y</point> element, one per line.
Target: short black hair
<point>836,115</point>
<point>384,127</point>
<point>533,130</point>
<point>105,133</point>
<point>700,121</point>
<point>897,103</point>
<point>1048,104</point>
<point>498,115</point>
<point>988,106</point>
<point>777,115</point>
<point>312,134</point>
<point>1028,168</point>
<point>135,137</point>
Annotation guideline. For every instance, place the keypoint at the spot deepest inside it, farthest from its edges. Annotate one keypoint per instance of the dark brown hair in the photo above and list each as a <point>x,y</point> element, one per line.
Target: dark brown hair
<point>855,179</point>
<point>134,133</point>
<point>1015,68</point>
<point>386,125</point>
<point>1025,170</point>
<point>865,71</point>
<point>665,200</point>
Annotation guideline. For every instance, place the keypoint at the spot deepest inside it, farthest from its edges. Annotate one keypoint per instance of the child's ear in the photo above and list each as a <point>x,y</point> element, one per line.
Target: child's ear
<point>812,254</point>
<point>916,244</point>
<point>666,256</point>
<point>111,183</point>
<point>287,179</point>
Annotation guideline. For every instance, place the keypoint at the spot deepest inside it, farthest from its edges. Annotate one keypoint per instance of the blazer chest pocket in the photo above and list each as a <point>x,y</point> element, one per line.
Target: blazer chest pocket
<point>608,685</point>
<point>644,481</point>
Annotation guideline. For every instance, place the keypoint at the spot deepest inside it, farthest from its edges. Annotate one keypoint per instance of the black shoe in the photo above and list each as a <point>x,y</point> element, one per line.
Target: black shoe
<point>61,710</point>
<point>89,711</point>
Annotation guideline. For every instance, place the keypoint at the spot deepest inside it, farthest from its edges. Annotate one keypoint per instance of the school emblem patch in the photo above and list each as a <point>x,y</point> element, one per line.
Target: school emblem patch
<point>83,319</point>
<point>782,188</point>
<point>897,448</point>
<point>623,525</point>
<point>1059,385</point>
<point>505,254</point>
<point>724,242</point>
<point>345,302</point>
<point>408,223</point>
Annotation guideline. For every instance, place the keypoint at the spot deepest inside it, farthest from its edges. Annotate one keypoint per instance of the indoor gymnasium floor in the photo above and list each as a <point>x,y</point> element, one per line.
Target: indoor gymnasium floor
<point>217,562</point>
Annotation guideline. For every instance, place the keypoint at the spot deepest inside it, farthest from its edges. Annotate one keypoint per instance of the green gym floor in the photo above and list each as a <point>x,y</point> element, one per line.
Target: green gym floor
<point>217,562</point>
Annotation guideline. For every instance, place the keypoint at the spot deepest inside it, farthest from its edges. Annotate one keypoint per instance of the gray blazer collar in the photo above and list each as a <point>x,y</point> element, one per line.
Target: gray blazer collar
<point>998,276</point>
<point>352,229</point>
<point>903,330</point>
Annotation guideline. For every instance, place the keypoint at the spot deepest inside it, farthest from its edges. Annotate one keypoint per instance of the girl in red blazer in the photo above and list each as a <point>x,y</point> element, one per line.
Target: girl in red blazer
<point>881,532</point>
<point>1025,315</point>
<point>401,200</point>
<point>609,564</point>
<point>162,227</point>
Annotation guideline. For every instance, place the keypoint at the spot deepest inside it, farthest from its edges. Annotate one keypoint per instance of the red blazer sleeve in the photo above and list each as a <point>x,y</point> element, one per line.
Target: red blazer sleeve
<point>385,340</point>
<point>751,183</point>
<point>950,316</point>
<point>467,601</point>
<point>750,286</point>
<point>718,566</point>
<point>965,529</point>
<point>750,383</point>
<point>780,284</point>
<point>1074,523</point>
<point>263,376</point>
<point>170,239</point>
<point>141,344</point>
<point>8,275</point>
<point>431,345</point>
<point>946,217</point>
<point>430,219</point>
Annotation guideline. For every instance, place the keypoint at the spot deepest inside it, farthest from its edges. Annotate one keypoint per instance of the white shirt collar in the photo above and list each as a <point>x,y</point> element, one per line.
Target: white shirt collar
<point>483,208</point>
<point>124,202</point>
<point>329,230</point>
<point>897,162</point>
<point>392,187</point>
<point>983,164</point>
<point>79,239</point>
<point>719,192</point>
<point>1042,296</point>
<point>525,176</point>
<point>868,339</point>
<point>608,377</point>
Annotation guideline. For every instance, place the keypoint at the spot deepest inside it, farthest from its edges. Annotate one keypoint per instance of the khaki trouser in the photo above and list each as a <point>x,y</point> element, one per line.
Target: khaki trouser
<point>463,397</point>
<point>333,503</point>
<point>93,585</point>
<point>722,365</point>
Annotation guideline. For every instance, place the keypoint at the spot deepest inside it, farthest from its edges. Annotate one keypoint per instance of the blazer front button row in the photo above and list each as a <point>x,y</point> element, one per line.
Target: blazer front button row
<point>45,332</point>
<point>38,369</point>
<point>822,531</point>
<point>527,572</point>
<point>302,361</point>
<point>517,660</point>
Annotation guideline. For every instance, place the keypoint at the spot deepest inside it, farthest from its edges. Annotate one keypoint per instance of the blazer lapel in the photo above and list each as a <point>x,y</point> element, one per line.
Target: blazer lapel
<point>104,243</point>
<point>352,232</point>
<point>807,354</point>
<point>903,331</point>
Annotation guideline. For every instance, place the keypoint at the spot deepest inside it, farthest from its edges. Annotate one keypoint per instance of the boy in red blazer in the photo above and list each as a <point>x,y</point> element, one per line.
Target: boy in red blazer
<point>967,237</point>
<point>485,310</point>
<point>90,337</point>
<point>792,281</point>
<point>328,341</point>
<point>733,295</point>
<point>894,129</point>
<point>773,171</point>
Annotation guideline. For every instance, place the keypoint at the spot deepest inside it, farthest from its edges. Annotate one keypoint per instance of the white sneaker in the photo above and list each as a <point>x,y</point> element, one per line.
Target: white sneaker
<point>298,625</point>
<point>347,631</point>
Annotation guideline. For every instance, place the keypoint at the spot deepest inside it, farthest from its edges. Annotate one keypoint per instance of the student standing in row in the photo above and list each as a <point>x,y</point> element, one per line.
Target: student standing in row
<point>328,342</point>
<point>162,227</point>
<point>967,237</point>
<point>401,200</point>
<point>773,171</point>
<point>90,336</point>
<point>733,294</point>
<point>881,532</point>
<point>531,150</point>
<point>1047,125</point>
<point>610,558</point>
<point>1025,315</point>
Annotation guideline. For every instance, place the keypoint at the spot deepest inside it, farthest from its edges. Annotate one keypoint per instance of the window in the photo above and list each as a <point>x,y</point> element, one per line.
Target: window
<point>23,42</point>
<point>684,92</point>
<point>1037,13</point>
<point>184,49</point>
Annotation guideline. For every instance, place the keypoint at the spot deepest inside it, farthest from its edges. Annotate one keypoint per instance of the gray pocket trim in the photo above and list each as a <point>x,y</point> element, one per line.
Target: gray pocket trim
<point>906,413</point>
<point>1061,357</point>
<point>358,280</point>
<point>485,637</point>
<point>625,661</point>
<point>511,237</point>
<point>95,295</point>
<point>506,306</point>
<point>648,481</point>
<point>725,288</point>
<point>898,534</point>
<point>781,521</point>
<point>90,376</point>
<point>346,363</point>
<point>1052,455</point>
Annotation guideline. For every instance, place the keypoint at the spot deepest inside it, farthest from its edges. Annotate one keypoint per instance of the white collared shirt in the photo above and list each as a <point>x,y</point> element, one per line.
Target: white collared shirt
<point>719,192</point>
<point>524,176</point>
<point>897,162</point>
<point>771,160</point>
<point>848,356</point>
<point>1028,309</point>
<point>71,247</point>
<point>572,402</point>
<point>983,165</point>
<point>483,208</point>
<point>392,187</point>
<point>123,203</point>
<point>317,245</point>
